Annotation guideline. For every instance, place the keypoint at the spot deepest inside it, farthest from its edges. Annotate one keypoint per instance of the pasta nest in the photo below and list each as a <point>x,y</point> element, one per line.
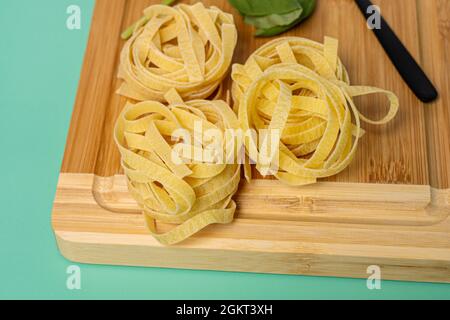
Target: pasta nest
<point>187,48</point>
<point>191,195</point>
<point>300,89</point>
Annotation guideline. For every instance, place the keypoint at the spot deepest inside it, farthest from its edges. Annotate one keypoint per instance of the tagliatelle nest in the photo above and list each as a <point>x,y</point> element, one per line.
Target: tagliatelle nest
<point>192,195</point>
<point>187,48</point>
<point>300,89</point>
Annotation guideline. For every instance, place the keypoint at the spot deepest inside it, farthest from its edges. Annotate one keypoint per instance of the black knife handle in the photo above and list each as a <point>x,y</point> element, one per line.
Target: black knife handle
<point>403,61</point>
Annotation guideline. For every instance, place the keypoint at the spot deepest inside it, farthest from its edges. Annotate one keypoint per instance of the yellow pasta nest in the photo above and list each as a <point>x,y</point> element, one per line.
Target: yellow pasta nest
<point>300,89</point>
<point>187,48</point>
<point>191,195</point>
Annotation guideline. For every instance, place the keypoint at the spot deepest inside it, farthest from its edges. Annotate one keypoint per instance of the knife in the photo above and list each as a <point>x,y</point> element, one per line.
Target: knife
<point>403,61</point>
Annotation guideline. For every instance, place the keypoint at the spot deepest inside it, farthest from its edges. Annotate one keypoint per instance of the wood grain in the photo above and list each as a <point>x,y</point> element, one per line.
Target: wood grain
<point>434,27</point>
<point>393,154</point>
<point>390,208</point>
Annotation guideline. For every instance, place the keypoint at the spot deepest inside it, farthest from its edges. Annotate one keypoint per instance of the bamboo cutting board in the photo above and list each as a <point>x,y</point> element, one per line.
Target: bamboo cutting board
<point>390,208</point>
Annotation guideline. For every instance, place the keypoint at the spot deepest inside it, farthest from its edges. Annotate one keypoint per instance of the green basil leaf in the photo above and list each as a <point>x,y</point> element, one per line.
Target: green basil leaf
<point>274,20</point>
<point>308,9</point>
<point>276,30</point>
<point>168,2</point>
<point>258,8</point>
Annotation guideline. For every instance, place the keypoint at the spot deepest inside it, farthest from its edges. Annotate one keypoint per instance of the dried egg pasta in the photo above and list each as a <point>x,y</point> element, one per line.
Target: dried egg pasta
<point>301,88</point>
<point>187,48</point>
<point>191,195</point>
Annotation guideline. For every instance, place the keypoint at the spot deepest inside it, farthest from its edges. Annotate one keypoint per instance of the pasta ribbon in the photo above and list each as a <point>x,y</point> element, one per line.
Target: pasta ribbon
<point>301,88</point>
<point>188,48</point>
<point>191,194</point>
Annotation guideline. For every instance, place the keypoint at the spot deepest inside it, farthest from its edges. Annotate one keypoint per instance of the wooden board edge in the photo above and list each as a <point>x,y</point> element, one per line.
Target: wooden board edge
<point>90,248</point>
<point>244,255</point>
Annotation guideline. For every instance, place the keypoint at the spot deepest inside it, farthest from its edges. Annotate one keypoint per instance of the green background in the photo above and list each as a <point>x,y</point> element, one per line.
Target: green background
<point>40,62</point>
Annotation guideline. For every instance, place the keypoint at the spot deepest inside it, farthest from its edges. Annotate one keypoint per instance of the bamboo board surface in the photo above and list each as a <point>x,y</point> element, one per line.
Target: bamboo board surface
<point>389,208</point>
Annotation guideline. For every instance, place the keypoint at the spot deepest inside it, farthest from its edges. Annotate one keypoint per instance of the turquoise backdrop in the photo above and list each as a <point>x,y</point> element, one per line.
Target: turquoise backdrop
<point>40,62</point>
